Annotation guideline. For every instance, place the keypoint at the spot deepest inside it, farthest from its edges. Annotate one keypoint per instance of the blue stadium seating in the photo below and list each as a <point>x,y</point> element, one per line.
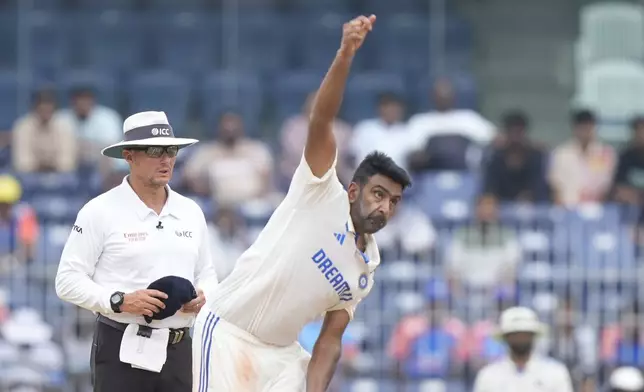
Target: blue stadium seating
<point>404,43</point>
<point>161,90</point>
<point>8,39</point>
<point>290,90</point>
<point>186,42</point>
<point>121,37</point>
<point>16,89</point>
<point>260,46</point>
<point>47,43</point>
<point>102,83</point>
<point>242,92</point>
<point>362,91</point>
<point>313,6</point>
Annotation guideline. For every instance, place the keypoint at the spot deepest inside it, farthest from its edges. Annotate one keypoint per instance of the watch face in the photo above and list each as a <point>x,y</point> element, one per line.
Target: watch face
<point>115,298</point>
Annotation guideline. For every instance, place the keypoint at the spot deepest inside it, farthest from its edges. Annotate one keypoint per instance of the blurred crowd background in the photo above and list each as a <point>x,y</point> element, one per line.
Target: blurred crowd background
<point>518,119</point>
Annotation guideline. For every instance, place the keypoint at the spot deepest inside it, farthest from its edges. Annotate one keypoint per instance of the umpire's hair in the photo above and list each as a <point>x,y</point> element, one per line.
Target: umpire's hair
<point>379,163</point>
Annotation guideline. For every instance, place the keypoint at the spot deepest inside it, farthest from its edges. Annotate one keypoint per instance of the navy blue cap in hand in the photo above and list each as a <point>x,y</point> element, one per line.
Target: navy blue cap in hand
<point>179,290</point>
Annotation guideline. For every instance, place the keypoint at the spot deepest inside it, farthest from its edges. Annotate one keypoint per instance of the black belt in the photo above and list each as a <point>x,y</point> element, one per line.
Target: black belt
<point>176,335</point>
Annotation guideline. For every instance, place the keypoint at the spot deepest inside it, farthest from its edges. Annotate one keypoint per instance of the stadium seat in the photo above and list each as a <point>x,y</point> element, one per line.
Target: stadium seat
<point>121,38</point>
<point>161,90</point>
<point>238,91</point>
<point>405,43</point>
<point>8,39</point>
<point>48,45</point>
<point>103,84</point>
<point>260,45</point>
<point>613,88</point>
<point>49,183</point>
<point>187,42</point>
<point>361,93</point>
<point>173,5</point>
<point>290,90</point>
<point>318,38</point>
<point>16,90</point>
<point>103,5</point>
<point>318,7</point>
<point>611,30</point>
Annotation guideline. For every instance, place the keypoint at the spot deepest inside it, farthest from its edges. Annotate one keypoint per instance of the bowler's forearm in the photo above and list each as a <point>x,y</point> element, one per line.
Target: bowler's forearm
<point>322,366</point>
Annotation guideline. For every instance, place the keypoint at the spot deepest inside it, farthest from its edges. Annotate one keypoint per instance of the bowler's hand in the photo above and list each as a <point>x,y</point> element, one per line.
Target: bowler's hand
<point>354,33</point>
<point>196,304</point>
<point>143,302</point>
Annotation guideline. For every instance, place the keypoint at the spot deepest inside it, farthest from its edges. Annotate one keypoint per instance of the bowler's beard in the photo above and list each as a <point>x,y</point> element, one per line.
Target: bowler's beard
<point>366,223</point>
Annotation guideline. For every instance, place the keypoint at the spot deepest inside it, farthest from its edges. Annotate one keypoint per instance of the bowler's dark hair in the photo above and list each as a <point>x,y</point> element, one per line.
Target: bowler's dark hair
<point>379,163</point>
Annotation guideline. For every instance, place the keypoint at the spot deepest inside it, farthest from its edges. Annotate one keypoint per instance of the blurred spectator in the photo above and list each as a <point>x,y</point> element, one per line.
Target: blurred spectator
<point>575,344</point>
<point>515,171</point>
<point>522,369</point>
<point>428,344</point>
<point>626,379</point>
<point>18,224</point>
<point>229,239</point>
<point>448,138</point>
<point>483,255</point>
<point>483,344</point>
<point>622,344</point>
<point>96,126</point>
<point>234,168</point>
<point>293,137</point>
<point>581,169</point>
<point>387,133</point>
<point>42,140</point>
<point>629,177</point>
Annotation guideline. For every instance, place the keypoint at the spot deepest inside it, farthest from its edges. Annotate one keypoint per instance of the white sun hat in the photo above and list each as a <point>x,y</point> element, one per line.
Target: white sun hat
<point>520,319</point>
<point>627,378</point>
<point>146,129</point>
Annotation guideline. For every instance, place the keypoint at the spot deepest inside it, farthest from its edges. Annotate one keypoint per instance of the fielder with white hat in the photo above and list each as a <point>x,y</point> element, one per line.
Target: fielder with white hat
<point>125,239</point>
<point>522,369</point>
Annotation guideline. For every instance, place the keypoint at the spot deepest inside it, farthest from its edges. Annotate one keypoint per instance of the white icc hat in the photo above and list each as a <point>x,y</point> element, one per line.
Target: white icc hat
<point>627,378</point>
<point>146,129</point>
<point>519,319</point>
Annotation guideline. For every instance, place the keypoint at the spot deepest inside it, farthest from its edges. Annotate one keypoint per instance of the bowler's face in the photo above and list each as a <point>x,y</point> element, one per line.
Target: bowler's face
<point>153,171</point>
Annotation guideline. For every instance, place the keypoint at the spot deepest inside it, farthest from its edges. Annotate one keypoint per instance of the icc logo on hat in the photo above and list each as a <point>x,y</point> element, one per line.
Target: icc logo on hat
<point>363,281</point>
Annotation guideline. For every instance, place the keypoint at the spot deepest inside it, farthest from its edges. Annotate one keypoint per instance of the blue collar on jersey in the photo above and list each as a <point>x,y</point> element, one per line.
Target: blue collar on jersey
<point>356,235</point>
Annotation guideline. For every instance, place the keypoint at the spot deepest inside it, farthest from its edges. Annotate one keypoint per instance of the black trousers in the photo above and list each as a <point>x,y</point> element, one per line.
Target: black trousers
<point>109,374</point>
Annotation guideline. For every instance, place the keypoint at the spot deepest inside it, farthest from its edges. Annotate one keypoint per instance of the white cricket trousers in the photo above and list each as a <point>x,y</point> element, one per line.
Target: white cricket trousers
<point>226,358</point>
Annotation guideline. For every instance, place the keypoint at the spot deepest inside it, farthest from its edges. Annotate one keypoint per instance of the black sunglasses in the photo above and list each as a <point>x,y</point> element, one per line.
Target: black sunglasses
<point>157,151</point>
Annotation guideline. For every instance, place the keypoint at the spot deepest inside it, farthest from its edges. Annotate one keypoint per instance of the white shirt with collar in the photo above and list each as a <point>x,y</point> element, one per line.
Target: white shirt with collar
<point>304,263</point>
<point>376,135</point>
<point>541,374</point>
<point>115,245</point>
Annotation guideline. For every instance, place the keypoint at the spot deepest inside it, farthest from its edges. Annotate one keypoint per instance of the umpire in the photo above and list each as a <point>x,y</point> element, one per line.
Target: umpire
<point>122,244</point>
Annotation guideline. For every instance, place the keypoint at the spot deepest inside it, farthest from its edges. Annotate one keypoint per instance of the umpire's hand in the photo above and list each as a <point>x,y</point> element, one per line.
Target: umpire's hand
<point>143,302</point>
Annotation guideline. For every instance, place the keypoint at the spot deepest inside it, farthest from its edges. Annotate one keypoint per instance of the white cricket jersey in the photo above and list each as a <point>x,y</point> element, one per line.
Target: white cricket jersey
<point>115,245</point>
<point>304,263</point>
<point>541,374</point>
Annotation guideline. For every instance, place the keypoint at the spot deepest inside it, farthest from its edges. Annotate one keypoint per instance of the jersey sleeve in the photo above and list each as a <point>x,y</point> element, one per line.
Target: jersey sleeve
<point>307,189</point>
<point>82,250</point>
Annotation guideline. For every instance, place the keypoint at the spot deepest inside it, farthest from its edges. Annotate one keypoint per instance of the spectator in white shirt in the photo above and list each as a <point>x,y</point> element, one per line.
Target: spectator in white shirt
<point>448,138</point>
<point>386,133</point>
<point>522,370</point>
<point>96,126</point>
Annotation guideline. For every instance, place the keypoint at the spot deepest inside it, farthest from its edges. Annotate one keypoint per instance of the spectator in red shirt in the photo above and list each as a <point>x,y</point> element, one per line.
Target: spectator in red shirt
<point>426,344</point>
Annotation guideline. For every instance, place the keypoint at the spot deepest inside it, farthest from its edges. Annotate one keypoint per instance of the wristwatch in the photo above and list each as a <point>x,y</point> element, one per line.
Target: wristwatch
<point>116,300</point>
